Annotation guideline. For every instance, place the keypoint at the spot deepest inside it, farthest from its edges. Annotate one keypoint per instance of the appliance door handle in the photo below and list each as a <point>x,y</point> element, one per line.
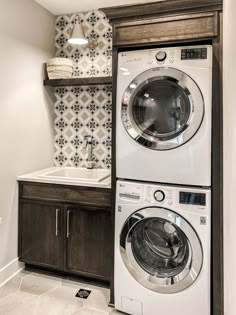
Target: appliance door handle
<point>68,223</point>
<point>57,215</point>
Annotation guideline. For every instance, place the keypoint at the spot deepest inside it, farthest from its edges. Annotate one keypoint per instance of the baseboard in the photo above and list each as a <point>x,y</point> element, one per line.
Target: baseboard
<point>111,304</point>
<point>10,270</point>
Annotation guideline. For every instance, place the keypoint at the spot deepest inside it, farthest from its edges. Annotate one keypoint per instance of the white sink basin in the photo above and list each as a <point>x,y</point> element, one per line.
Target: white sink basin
<point>78,174</point>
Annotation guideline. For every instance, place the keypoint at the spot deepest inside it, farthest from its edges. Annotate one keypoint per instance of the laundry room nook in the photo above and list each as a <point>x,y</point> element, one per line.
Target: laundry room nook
<point>117,167</point>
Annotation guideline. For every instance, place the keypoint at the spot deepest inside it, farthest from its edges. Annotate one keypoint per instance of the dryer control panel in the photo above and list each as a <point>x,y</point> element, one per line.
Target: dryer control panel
<point>194,56</point>
<point>194,53</point>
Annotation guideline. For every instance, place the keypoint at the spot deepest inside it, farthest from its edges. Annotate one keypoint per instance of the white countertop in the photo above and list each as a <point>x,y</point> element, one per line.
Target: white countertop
<point>38,178</point>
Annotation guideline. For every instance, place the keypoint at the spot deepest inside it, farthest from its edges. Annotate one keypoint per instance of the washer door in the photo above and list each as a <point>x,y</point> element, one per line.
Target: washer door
<point>161,250</point>
<point>162,108</point>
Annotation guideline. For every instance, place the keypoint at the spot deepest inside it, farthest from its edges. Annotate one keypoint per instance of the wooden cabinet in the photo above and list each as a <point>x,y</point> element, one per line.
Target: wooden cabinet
<point>67,234</point>
<point>182,27</point>
<point>164,22</point>
<point>41,235</point>
<point>88,247</point>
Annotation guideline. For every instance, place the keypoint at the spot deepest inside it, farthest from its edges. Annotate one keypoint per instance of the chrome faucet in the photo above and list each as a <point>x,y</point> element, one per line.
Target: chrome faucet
<point>88,143</point>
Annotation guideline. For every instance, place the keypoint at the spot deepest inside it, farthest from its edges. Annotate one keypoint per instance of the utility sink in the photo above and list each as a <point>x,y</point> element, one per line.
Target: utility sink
<point>95,175</point>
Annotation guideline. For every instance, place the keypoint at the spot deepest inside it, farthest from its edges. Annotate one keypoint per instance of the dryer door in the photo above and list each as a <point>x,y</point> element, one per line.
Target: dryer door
<point>161,250</point>
<point>162,108</point>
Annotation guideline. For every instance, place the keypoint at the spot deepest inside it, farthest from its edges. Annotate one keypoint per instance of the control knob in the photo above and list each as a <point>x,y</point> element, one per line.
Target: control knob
<point>161,55</point>
<point>159,195</point>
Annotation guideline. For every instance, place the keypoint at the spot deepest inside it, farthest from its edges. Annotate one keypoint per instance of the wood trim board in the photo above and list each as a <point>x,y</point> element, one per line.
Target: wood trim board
<point>78,81</point>
<point>163,8</point>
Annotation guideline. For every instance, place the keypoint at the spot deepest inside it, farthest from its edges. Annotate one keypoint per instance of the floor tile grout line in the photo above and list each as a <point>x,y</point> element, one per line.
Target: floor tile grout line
<point>60,284</point>
<point>20,284</point>
<point>32,294</point>
<point>36,307</point>
<point>4,297</point>
<point>40,276</point>
<point>1,298</point>
<point>50,291</point>
<point>18,291</point>
<point>38,295</point>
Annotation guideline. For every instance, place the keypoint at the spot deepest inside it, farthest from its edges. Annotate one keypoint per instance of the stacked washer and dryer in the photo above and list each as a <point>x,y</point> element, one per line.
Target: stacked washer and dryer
<point>163,196</point>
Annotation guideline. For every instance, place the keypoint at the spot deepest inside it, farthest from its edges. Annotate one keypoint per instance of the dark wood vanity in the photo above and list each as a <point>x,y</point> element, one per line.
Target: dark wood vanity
<point>66,228</point>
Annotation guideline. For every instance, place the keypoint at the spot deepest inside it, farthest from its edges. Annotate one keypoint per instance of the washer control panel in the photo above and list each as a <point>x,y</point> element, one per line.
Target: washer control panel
<point>159,195</point>
<point>130,193</point>
<point>168,196</point>
<point>155,195</point>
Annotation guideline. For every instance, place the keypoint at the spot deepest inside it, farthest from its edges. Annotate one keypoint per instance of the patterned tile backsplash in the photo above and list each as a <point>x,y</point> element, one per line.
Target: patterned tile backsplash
<point>84,110</point>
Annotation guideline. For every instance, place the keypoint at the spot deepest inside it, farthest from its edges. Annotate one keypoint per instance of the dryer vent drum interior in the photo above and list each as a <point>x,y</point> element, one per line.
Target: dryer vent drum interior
<point>162,108</point>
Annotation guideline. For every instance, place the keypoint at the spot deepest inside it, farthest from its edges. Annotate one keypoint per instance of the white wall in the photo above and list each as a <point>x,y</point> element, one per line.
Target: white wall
<point>26,110</point>
<point>230,155</point>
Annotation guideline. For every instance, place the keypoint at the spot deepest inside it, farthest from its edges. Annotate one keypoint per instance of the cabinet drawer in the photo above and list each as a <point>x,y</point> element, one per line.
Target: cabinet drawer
<point>81,195</point>
<point>189,26</point>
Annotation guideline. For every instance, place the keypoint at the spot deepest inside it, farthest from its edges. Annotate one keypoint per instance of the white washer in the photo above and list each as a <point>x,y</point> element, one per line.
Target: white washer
<point>164,115</point>
<point>162,249</point>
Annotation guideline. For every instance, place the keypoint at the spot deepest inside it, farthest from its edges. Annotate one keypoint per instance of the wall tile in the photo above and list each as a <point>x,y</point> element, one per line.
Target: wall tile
<point>79,112</point>
<point>87,62</point>
<point>84,110</point>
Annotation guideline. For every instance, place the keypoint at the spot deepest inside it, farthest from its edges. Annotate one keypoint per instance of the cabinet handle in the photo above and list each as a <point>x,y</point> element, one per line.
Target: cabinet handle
<point>68,223</point>
<point>57,214</point>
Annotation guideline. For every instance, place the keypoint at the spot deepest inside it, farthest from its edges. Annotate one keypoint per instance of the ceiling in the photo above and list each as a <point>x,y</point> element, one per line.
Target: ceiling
<point>59,7</point>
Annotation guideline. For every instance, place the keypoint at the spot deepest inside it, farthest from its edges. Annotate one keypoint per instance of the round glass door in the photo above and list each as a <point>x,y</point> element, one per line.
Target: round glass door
<point>161,250</point>
<point>162,108</point>
<point>160,247</point>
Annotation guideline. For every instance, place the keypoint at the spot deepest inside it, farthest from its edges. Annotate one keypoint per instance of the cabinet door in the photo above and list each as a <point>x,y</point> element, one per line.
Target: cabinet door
<point>40,234</point>
<point>89,241</point>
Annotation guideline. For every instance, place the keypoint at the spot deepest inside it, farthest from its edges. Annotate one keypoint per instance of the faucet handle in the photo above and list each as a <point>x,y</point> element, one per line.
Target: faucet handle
<point>87,140</point>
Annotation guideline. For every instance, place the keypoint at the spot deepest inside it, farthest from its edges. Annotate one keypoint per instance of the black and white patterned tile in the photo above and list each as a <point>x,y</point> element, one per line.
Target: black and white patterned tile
<point>88,62</point>
<point>87,112</point>
<point>84,110</point>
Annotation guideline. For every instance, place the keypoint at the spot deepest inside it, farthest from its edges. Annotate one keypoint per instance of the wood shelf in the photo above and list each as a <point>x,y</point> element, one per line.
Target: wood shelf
<point>78,81</point>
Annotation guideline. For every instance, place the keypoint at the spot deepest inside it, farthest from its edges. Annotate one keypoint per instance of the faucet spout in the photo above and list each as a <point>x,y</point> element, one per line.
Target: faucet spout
<point>88,143</point>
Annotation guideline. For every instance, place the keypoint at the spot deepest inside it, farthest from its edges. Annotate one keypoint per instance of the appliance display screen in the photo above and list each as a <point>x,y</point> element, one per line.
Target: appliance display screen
<point>190,198</point>
<point>196,53</point>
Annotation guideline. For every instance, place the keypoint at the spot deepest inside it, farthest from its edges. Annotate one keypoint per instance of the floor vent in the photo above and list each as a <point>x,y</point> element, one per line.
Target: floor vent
<point>83,293</point>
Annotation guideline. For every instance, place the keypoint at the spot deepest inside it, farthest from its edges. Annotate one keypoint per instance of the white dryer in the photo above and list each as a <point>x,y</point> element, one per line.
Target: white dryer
<point>162,249</point>
<point>164,115</point>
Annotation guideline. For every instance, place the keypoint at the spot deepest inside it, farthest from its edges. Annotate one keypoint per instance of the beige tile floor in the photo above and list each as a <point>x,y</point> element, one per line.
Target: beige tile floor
<point>36,294</point>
